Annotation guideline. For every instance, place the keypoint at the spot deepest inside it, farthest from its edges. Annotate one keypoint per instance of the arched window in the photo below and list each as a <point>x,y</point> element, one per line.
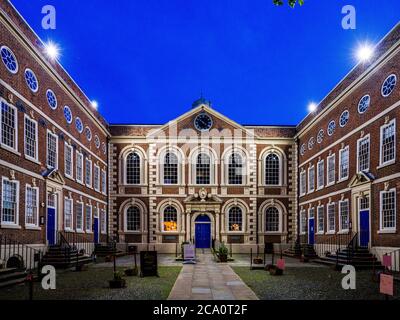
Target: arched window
<point>235,169</point>
<point>203,166</point>
<point>170,168</point>
<point>235,219</point>
<point>272,222</point>
<point>170,221</point>
<point>133,168</point>
<point>272,169</point>
<point>133,219</point>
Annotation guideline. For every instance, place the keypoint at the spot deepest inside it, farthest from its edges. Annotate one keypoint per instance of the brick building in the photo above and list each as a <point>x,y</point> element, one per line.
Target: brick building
<point>201,177</point>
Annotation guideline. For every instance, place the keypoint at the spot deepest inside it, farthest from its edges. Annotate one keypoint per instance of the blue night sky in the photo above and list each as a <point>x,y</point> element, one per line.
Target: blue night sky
<point>146,61</point>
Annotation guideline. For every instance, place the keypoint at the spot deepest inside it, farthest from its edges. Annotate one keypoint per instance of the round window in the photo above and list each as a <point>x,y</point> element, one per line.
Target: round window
<point>320,136</point>
<point>31,80</point>
<point>344,118</point>
<point>9,60</point>
<point>67,114</point>
<point>388,85</point>
<point>364,103</point>
<point>331,127</point>
<point>51,99</point>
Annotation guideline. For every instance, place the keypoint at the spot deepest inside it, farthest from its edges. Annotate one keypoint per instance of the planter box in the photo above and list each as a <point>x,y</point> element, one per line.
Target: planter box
<point>117,283</point>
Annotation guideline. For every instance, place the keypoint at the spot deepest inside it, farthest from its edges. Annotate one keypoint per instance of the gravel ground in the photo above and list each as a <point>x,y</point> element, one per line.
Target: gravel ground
<point>93,285</point>
<point>310,284</point>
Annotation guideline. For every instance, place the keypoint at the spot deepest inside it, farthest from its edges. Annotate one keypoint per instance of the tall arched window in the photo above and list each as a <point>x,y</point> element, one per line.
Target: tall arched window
<point>235,169</point>
<point>133,168</point>
<point>272,222</point>
<point>170,220</point>
<point>235,219</point>
<point>133,219</point>
<point>272,169</point>
<point>203,166</point>
<point>170,168</point>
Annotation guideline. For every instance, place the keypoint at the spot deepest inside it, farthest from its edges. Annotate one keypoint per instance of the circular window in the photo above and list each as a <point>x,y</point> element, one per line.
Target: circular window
<point>320,136</point>
<point>303,149</point>
<point>331,127</point>
<point>104,147</point>
<point>9,59</point>
<point>96,141</point>
<point>67,114</point>
<point>311,143</point>
<point>388,85</point>
<point>78,124</point>
<point>344,118</point>
<point>364,103</point>
<point>88,133</point>
<point>51,99</point>
<point>31,80</point>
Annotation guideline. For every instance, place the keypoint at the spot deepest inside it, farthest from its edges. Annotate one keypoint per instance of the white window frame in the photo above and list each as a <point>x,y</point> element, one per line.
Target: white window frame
<point>320,175</point>
<point>47,149</point>
<point>303,183</point>
<point>369,152</point>
<point>341,202</point>
<point>89,185</point>
<point>311,186</point>
<point>7,223</point>
<point>82,205</point>
<point>329,182</point>
<point>323,215</point>
<point>103,224</point>
<point>3,145</point>
<point>96,178</point>
<point>30,225</point>
<point>35,158</point>
<point>328,230</point>
<point>88,229</point>
<point>303,213</point>
<point>381,228</point>
<point>103,181</point>
<point>392,161</point>
<point>79,160</point>
<point>341,178</point>
<point>67,147</point>
<point>70,200</point>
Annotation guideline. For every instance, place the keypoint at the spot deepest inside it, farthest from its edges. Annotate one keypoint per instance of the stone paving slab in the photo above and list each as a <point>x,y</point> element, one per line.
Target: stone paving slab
<point>208,280</point>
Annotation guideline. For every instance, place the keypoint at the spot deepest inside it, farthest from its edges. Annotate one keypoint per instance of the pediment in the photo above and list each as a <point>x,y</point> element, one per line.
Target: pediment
<point>361,178</point>
<point>54,175</point>
<point>183,126</point>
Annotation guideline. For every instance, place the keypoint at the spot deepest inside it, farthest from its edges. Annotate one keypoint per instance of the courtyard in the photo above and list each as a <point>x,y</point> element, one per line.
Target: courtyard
<point>207,280</point>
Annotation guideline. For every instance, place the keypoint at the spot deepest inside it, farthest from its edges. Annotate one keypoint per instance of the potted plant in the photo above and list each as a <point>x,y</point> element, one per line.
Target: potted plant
<point>118,281</point>
<point>222,253</point>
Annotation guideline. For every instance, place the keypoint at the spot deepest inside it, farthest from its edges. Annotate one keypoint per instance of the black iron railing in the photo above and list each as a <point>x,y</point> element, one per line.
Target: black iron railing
<point>76,241</point>
<point>18,255</point>
<point>334,243</point>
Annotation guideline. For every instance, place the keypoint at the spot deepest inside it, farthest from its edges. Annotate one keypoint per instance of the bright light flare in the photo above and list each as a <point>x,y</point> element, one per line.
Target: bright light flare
<point>365,52</point>
<point>312,107</point>
<point>95,104</point>
<point>52,50</point>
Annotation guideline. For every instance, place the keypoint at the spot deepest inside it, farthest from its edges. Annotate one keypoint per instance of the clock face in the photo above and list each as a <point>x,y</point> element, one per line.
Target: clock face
<point>203,122</point>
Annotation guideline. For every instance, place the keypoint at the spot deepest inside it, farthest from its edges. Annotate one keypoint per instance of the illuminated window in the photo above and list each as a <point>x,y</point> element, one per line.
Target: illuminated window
<point>235,219</point>
<point>170,220</point>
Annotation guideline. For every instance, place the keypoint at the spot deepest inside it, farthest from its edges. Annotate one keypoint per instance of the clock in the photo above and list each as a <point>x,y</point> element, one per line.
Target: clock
<point>203,122</point>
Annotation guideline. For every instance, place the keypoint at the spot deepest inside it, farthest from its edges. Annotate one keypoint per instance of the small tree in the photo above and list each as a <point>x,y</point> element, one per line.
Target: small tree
<point>291,3</point>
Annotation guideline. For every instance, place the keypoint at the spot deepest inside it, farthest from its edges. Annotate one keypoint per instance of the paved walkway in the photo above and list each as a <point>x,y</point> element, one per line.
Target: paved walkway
<point>208,280</point>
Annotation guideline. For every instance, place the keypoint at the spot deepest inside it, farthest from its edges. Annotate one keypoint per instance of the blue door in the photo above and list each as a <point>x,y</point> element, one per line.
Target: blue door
<point>203,235</point>
<point>311,231</point>
<point>51,225</point>
<point>364,228</point>
<point>96,230</point>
